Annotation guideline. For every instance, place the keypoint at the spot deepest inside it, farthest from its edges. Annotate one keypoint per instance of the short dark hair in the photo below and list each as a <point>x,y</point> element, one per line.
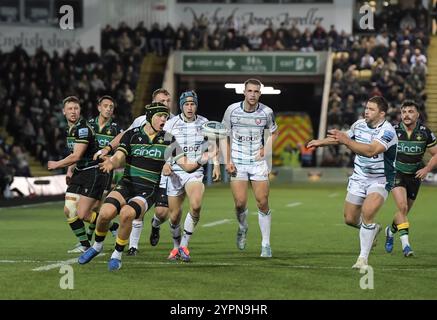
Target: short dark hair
<point>252,81</point>
<point>380,102</point>
<point>108,98</point>
<point>158,91</point>
<point>70,99</point>
<point>410,103</point>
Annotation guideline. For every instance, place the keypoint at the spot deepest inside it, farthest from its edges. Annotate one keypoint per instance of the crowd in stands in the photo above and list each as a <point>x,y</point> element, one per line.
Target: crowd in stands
<point>32,88</point>
<point>391,62</point>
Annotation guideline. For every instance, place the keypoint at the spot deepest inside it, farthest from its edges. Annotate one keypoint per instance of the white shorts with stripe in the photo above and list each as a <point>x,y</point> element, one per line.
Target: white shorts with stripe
<point>258,171</point>
<point>177,180</point>
<point>358,190</point>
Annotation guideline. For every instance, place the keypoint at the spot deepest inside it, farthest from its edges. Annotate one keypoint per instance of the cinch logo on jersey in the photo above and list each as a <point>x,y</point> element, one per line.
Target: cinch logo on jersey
<point>70,143</point>
<point>148,151</point>
<point>404,148</point>
<point>103,140</point>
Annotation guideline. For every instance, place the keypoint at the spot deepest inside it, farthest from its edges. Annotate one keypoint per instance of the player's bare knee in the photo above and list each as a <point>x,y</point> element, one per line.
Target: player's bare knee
<point>161,212</point>
<point>127,214</point>
<point>195,211</point>
<point>107,213</point>
<point>84,214</point>
<point>403,208</point>
<point>262,205</point>
<point>196,206</point>
<point>350,220</point>
<point>175,219</point>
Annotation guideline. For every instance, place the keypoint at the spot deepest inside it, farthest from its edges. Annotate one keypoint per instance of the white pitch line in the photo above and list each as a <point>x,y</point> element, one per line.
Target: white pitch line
<point>24,206</point>
<point>23,261</point>
<point>333,195</point>
<point>216,223</point>
<point>55,265</point>
<point>159,263</point>
<point>293,204</point>
<point>59,264</point>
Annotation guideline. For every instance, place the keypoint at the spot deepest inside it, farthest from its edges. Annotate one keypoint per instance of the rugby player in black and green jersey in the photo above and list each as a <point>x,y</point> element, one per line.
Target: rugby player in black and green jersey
<point>414,139</point>
<point>144,150</point>
<point>85,188</point>
<point>105,129</point>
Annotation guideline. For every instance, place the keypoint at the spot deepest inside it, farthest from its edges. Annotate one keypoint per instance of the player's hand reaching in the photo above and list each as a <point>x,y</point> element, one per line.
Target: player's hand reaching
<point>100,154</point>
<point>68,177</point>
<point>314,144</point>
<point>216,172</point>
<point>260,155</point>
<point>107,165</point>
<point>231,169</point>
<point>422,173</point>
<point>52,165</point>
<point>166,170</point>
<point>338,136</point>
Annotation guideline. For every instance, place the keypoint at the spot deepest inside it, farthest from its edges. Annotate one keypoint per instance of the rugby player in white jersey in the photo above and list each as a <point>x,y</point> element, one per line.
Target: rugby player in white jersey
<point>161,204</point>
<point>374,141</point>
<point>252,132</point>
<point>187,129</point>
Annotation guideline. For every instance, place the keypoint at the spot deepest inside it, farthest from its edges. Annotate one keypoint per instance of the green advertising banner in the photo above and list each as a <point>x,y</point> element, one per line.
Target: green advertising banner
<point>229,63</point>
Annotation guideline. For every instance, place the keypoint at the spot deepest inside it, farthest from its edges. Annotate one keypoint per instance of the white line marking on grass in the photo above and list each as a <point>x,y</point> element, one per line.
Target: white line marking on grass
<point>168,263</point>
<point>60,263</point>
<point>332,195</point>
<point>216,223</point>
<point>293,204</point>
<point>22,261</point>
<point>25,206</point>
<point>230,264</point>
<point>55,265</point>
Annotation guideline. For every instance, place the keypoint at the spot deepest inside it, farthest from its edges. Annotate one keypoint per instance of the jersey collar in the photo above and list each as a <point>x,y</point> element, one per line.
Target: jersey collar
<point>242,107</point>
<point>378,126</point>
<point>182,117</point>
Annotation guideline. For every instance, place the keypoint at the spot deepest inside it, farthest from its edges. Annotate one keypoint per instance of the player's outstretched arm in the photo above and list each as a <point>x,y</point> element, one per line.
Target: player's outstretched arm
<point>421,174</point>
<point>78,151</point>
<point>189,166</point>
<point>321,142</point>
<point>363,149</point>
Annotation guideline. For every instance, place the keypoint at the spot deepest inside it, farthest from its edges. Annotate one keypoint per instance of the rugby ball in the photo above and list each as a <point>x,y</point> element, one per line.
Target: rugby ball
<point>214,130</point>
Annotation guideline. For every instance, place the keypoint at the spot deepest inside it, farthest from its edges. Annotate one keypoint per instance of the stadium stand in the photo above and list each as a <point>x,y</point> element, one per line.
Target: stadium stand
<point>392,64</point>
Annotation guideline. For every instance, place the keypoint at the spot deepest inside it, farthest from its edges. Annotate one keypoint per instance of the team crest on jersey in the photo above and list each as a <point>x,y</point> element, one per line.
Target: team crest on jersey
<point>419,137</point>
<point>258,121</point>
<point>160,140</point>
<point>108,132</point>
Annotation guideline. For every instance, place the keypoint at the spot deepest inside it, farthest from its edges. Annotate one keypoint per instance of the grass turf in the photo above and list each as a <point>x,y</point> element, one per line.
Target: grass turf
<point>313,252</point>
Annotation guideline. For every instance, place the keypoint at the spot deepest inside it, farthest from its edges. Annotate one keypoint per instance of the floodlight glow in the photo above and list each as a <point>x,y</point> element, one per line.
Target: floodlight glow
<point>239,88</point>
